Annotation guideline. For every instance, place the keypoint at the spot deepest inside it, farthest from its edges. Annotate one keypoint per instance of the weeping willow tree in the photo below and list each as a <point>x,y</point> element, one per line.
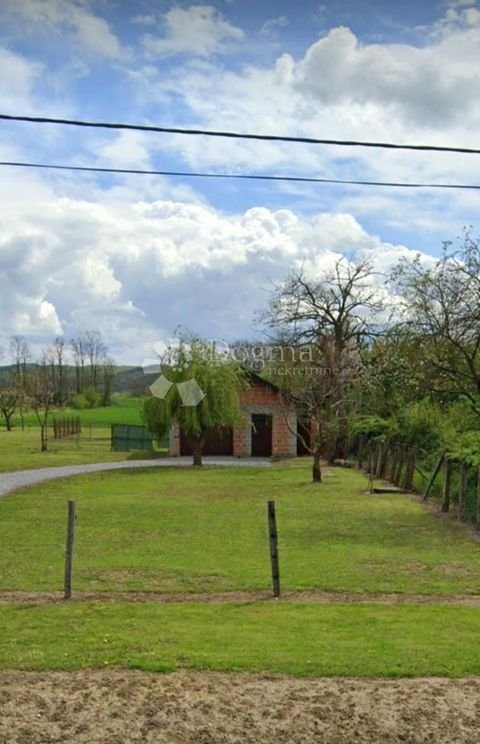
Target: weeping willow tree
<point>198,389</point>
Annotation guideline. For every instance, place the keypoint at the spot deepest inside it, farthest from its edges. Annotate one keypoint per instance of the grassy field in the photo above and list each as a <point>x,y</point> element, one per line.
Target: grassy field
<point>124,410</point>
<point>191,531</point>
<point>205,531</point>
<point>20,450</point>
<point>305,640</point>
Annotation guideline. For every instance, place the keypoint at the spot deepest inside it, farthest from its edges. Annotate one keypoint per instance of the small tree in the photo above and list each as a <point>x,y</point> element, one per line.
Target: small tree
<point>40,396</point>
<point>198,389</point>
<point>8,403</point>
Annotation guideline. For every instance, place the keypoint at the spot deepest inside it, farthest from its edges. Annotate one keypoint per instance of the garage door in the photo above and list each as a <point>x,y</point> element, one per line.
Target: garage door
<point>218,441</point>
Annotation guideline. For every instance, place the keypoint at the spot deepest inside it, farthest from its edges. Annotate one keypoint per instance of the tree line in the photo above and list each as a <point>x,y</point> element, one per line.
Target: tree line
<point>78,372</point>
<point>396,354</point>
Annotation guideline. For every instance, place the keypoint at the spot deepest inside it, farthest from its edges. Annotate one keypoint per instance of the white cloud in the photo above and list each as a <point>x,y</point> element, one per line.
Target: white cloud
<point>433,86</point>
<point>127,150</point>
<point>144,20</point>
<point>273,24</point>
<point>17,86</point>
<point>199,30</point>
<point>92,32</point>
<point>137,270</point>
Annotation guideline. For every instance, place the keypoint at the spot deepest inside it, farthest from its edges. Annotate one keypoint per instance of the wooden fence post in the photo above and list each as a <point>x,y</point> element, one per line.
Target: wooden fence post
<point>69,550</point>
<point>462,494</point>
<point>379,460</point>
<point>393,463</point>
<point>410,469</point>
<point>434,475</point>
<point>360,451</point>
<point>446,485</point>
<point>400,461</point>
<point>385,462</point>
<point>273,538</point>
<point>477,510</point>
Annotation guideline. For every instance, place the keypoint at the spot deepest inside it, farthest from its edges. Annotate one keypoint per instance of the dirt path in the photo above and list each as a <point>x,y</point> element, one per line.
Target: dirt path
<point>241,597</point>
<point>126,707</point>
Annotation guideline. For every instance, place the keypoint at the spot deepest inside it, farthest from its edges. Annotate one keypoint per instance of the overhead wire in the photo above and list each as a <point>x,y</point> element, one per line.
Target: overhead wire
<point>236,135</point>
<point>240,176</point>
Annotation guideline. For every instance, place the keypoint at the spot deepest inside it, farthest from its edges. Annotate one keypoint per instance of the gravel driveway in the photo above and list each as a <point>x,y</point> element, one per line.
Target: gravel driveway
<point>12,481</point>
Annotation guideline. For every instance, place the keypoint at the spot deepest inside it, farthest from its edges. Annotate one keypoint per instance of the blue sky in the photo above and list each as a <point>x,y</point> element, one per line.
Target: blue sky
<point>134,256</point>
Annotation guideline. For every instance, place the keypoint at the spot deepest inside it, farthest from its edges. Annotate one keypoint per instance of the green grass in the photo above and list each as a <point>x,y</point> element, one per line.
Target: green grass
<point>20,450</point>
<point>305,640</point>
<point>188,530</point>
<point>124,410</point>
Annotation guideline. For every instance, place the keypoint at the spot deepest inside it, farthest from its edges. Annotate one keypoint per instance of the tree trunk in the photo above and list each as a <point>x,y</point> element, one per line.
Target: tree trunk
<point>316,470</point>
<point>8,421</point>
<point>197,454</point>
<point>196,444</point>
<point>43,437</point>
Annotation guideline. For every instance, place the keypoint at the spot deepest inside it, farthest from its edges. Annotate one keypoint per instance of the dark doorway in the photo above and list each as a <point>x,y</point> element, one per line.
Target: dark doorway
<point>261,435</point>
<point>218,441</point>
<point>304,437</point>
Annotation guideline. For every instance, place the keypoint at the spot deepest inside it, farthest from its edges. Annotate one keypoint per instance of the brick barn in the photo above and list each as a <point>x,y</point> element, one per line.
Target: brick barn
<point>268,431</point>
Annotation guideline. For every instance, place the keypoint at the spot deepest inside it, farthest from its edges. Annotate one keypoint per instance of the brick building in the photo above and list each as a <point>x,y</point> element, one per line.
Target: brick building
<point>269,428</point>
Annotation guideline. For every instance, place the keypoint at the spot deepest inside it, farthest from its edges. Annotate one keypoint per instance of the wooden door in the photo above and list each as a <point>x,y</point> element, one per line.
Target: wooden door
<point>218,441</point>
<point>261,435</point>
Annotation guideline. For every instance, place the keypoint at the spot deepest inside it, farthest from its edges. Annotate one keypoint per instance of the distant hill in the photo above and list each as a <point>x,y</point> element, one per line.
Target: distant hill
<point>127,379</point>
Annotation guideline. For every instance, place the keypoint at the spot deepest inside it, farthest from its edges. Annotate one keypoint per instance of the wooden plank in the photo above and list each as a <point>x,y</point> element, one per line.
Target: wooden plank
<point>446,485</point>
<point>393,464</point>
<point>400,463</point>
<point>361,450</point>
<point>273,540</point>
<point>379,460</point>
<point>477,510</point>
<point>462,494</point>
<point>385,462</point>
<point>434,475</point>
<point>71,519</point>
<point>410,468</point>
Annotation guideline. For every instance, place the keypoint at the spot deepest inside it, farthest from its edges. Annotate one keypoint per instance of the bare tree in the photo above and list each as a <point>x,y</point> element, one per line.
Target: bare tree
<point>79,359</point>
<point>95,350</point>
<point>441,305</point>
<point>329,318</point>
<point>40,395</point>
<point>108,374</point>
<point>56,357</point>
<point>21,357</point>
<point>88,351</point>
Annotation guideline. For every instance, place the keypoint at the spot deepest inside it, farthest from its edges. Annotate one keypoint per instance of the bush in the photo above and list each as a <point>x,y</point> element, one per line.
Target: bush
<point>79,402</point>
<point>421,424</point>
<point>370,426</point>
<point>88,399</point>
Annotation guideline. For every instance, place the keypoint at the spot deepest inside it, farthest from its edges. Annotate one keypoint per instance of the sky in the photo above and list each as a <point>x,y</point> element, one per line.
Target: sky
<point>137,257</point>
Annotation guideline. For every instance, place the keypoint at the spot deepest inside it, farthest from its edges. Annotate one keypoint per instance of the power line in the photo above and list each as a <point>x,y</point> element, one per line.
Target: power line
<point>240,176</point>
<point>236,135</point>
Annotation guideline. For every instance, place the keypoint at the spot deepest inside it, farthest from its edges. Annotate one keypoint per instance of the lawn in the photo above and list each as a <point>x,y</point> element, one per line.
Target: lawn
<point>187,530</point>
<point>20,450</point>
<point>124,410</point>
<point>305,640</point>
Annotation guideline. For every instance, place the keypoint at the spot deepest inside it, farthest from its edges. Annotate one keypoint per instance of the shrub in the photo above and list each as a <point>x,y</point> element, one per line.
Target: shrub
<point>79,402</point>
<point>370,426</point>
<point>88,399</point>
